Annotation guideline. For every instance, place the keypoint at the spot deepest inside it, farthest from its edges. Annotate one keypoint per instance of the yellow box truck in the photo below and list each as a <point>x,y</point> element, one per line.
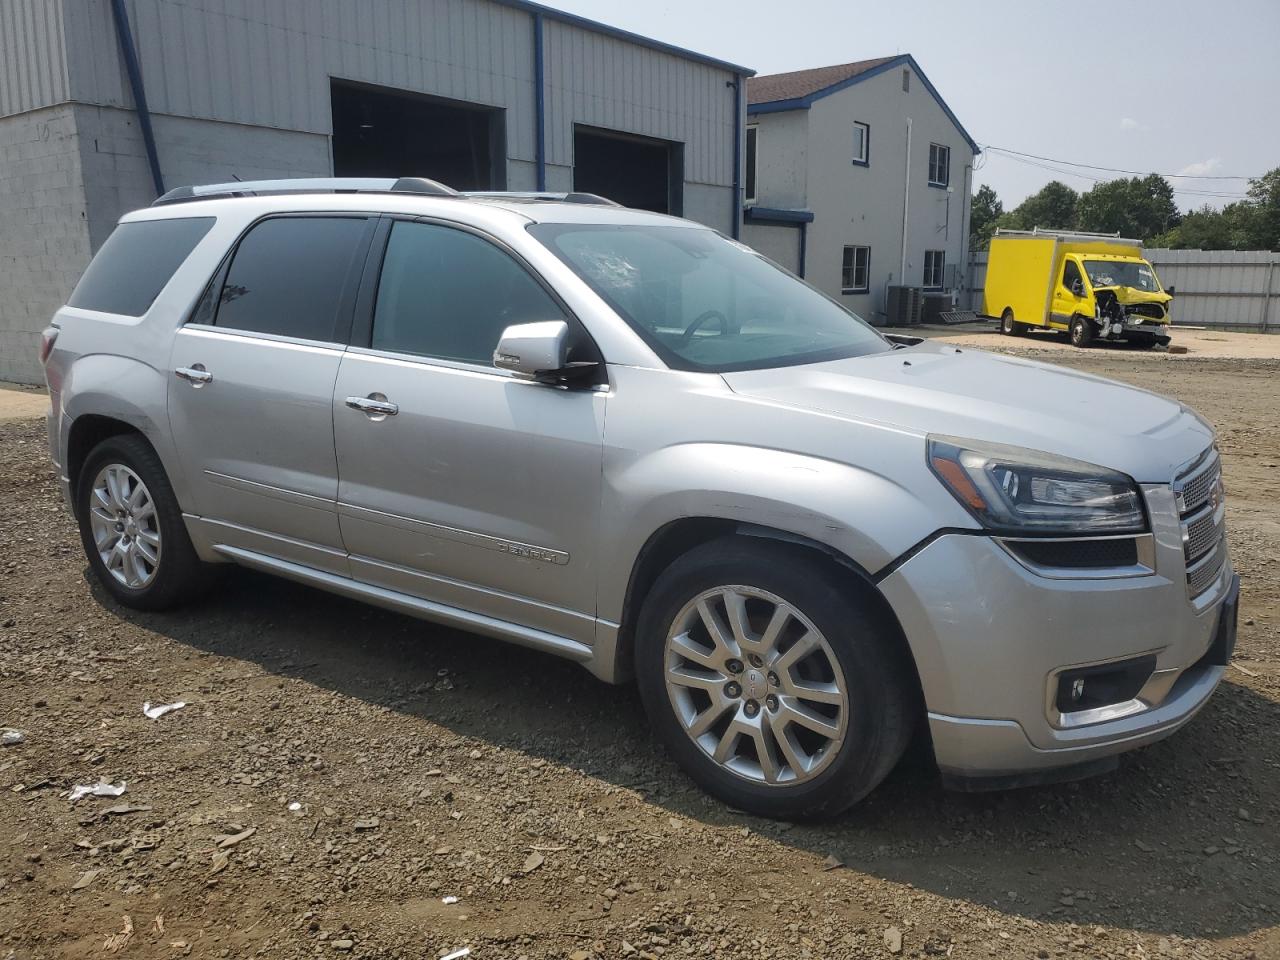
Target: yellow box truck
<point>1093,286</point>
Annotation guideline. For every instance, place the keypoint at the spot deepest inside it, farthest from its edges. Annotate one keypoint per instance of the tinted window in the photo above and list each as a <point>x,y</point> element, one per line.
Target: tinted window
<point>135,263</point>
<point>288,276</point>
<point>449,294</point>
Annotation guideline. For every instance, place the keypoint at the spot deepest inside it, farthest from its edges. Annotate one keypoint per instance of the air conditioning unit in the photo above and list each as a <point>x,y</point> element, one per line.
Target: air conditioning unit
<point>904,307</point>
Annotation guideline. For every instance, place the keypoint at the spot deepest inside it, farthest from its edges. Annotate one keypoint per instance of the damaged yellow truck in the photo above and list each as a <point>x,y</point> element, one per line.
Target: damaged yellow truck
<point>1093,286</point>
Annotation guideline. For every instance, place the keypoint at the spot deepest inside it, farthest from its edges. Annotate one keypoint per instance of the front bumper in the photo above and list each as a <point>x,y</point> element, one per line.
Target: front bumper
<point>990,636</point>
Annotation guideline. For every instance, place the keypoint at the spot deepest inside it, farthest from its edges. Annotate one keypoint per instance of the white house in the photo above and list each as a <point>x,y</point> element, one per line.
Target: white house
<point>858,177</point>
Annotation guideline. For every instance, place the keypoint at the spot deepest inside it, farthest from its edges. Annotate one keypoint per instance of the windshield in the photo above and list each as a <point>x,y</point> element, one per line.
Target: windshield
<point>1122,273</point>
<point>706,303</point>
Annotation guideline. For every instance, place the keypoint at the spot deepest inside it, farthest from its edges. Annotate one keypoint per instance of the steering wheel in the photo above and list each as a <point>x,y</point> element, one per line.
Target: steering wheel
<point>702,318</point>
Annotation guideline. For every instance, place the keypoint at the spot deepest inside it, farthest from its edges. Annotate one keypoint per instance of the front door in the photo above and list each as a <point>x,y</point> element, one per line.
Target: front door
<point>1069,294</point>
<point>460,483</point>
<point>251,392</point>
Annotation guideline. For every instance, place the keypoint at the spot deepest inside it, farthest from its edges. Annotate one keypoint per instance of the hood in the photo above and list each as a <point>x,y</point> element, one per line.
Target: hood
<point>936,388</point>
<point>1131,295</point>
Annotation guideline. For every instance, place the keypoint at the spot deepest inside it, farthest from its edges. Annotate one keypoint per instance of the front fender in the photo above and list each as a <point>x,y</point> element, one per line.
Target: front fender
<point>861,515</point>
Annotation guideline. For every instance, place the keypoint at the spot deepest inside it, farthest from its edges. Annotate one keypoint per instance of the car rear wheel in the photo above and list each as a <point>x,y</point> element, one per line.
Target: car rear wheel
<point>1081,331</point>
<point>1009,326</point>
<point>769,682</point>
<point>131,526</point>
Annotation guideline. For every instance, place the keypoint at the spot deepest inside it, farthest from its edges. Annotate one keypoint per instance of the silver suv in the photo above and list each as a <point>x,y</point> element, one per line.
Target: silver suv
<point>624,439</point>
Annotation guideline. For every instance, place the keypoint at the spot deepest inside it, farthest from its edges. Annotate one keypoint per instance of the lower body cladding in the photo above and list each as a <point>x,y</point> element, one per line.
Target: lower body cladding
<point>1031,678</point>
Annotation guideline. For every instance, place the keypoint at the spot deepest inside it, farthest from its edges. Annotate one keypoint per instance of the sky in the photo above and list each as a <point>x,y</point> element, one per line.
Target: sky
<point>1171,87</point>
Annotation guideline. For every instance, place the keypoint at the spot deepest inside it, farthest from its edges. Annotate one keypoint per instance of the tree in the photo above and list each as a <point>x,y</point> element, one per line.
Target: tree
<point>1140,207</point>
<point>1052,208</point>
<point>1261,221</point>
<point>984,212</point>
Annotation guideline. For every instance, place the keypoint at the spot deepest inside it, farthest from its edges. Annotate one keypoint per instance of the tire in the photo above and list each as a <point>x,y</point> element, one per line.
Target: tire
<point>149,527</point>
<point>1081,331</point>
<point>1009,326</point>
<point>872,711</point>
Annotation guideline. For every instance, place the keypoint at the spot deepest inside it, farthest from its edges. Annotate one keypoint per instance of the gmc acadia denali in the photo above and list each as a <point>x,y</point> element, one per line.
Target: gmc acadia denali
<point>624,439</point>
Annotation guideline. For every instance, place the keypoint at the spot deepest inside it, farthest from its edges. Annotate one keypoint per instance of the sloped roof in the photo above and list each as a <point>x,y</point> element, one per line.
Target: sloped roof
<point>802,83</point>
<point>798,89</point>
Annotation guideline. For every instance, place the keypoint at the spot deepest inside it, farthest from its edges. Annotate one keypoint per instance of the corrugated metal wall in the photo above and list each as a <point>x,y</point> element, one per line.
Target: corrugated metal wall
<point>33,64</point>
<point>1228,289</point>
<point>603,81</point>
<point>268,62</point>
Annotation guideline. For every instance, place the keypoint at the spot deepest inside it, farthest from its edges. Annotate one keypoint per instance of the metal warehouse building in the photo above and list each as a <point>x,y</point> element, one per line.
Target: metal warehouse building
<point>106,103</point>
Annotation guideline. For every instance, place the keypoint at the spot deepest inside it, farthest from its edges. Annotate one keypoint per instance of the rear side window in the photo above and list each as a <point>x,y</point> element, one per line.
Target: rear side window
<point>135,263</point>
<point>289,274</point>
<point>449,294</point>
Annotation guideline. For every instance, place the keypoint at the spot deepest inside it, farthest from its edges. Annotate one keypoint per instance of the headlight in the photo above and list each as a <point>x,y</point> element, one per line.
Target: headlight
<point>1019,491</point>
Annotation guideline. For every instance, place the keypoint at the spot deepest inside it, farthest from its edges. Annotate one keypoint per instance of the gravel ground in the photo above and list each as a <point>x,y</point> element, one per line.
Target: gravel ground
<point>338,771</point>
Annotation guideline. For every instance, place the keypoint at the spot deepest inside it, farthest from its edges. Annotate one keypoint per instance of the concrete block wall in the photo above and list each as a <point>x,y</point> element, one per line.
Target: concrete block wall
<point>44,234</point>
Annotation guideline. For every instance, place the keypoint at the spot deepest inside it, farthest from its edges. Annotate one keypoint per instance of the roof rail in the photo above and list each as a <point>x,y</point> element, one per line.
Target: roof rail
<point>1065,235</point>
<point>254,188</point>
<point>573,196</point>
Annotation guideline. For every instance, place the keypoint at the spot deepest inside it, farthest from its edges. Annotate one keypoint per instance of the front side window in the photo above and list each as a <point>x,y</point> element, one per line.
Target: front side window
<point>854,272</point>
<point>1071,275</point>
<point>703,302</point>
<point>861,143</point>
<point>135,264</point>
<point>934,261</point>
<point>449,294</point>
<point>752,155</point>
<point>288,276</point>
<point>939,165</point>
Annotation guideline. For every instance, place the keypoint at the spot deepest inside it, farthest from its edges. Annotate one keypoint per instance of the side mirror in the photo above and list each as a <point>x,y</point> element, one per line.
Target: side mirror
<point>1077,287</point>
<point>1170,291</point>
<point>540,351</point>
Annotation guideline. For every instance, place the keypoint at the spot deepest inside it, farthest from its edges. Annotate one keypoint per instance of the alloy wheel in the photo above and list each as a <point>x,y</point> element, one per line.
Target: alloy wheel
<point>125,526</point>
<point>756,685</point>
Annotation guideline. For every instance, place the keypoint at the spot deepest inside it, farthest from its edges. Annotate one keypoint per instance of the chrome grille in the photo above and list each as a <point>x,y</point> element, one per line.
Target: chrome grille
<point>1201,513</point>
<point>1195,487</point>
<point>1200,577</point>
<point>1202,533</point>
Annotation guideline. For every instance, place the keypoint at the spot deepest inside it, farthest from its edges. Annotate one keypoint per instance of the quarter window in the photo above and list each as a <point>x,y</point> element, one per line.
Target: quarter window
<point>934,262</point>
<point>861,143</point>
<point>449,294</point>
<point>939,165</point>
<point>288,276</point>
<point>135,263</point>
<point>855,270</point>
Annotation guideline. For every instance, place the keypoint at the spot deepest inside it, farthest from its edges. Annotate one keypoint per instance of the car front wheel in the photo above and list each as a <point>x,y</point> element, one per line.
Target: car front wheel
<point>769,682</point>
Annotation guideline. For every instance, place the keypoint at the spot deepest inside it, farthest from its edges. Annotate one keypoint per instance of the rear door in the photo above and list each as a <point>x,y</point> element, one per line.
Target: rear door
<point>467,486</point>
<point>250,399</point>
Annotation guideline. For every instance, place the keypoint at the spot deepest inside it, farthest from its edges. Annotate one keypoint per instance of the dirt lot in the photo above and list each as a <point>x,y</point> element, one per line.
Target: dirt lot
<point>340,770</point>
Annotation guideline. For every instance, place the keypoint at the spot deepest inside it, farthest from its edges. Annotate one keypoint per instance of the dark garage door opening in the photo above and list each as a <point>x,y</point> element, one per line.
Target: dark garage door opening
<point>634,171</point>
<point>382,132</point>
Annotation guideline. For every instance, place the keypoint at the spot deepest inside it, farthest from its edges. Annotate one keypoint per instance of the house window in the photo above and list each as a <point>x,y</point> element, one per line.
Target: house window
<point>855,272</point>
<point>906,81</point>
<point>861,144</point>
<point>751,164</point>
<point>934,261</point>
<point>939,165</point>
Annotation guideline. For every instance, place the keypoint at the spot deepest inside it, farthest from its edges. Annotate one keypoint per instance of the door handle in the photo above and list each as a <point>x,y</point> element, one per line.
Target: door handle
<point>375,405</point>
<point>195,374</point>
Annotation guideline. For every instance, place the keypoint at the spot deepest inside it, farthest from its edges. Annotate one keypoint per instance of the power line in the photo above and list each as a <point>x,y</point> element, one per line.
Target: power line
<point>1184,191</point>
<point>1094,166</point>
